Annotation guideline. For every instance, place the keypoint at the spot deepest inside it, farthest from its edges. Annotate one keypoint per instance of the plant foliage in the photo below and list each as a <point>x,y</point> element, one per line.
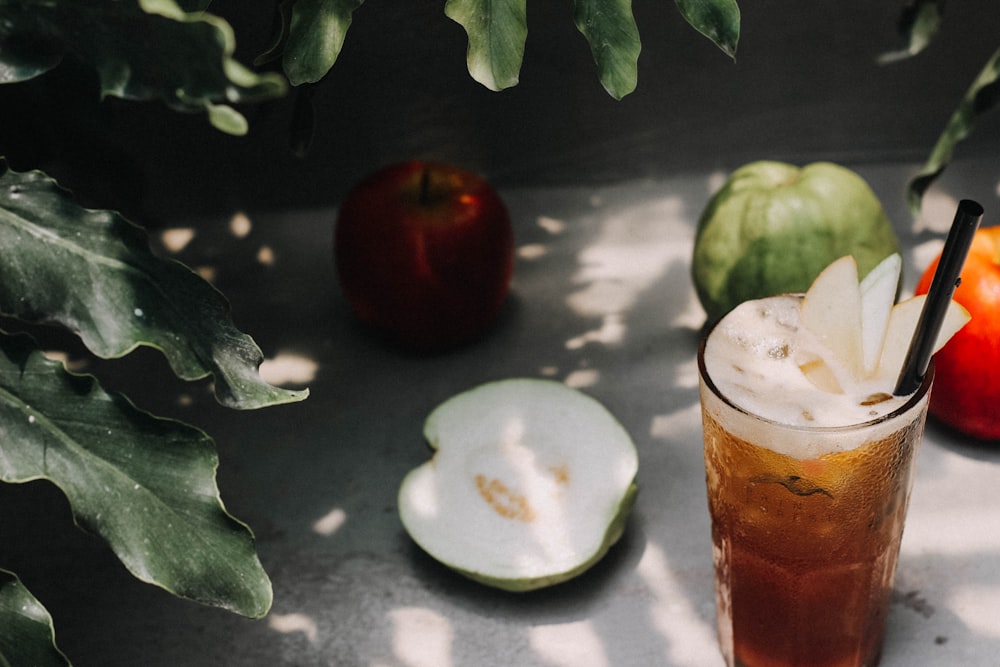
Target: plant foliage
<point>497,31</point>
<point>115,294</point>
<point>982,95</point>
<point>610,29</point>
<point>919,24</point>
<point>140,49</point>
<point>719,20</point>
<point>309,37</point>
<point>146,485</point>
<point>312,33</point>
<point>26,633</point>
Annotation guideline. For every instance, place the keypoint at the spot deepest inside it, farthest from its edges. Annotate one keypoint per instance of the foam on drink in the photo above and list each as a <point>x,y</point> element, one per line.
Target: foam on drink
<point>755,357</point>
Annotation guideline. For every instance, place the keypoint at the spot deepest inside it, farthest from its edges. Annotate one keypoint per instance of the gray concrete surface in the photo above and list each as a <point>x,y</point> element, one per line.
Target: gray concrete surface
<point>602,300</point>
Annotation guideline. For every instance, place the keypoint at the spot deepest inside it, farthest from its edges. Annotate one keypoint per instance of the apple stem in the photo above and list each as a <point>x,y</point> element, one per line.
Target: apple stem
<point>425,186</point>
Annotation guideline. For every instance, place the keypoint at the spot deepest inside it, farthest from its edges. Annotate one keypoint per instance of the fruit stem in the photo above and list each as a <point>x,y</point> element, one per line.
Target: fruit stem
<point>425,186</point>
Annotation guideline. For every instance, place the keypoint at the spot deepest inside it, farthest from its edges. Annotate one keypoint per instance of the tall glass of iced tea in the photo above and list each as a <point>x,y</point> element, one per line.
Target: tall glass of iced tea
<point>808,493</point>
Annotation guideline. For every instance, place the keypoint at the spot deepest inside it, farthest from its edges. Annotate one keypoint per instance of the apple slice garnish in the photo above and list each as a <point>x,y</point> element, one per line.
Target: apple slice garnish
<point>831,311</point>
<point>819,373</point>
<point>899,333</point>
<point>861,338</point>
<point>878,293</point>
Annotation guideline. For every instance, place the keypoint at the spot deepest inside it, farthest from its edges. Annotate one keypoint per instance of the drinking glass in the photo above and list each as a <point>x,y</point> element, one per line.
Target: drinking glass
<point>805,549</point>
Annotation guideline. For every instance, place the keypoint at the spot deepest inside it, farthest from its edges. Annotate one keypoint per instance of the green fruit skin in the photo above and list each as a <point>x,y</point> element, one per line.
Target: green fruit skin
<point>773,227</point>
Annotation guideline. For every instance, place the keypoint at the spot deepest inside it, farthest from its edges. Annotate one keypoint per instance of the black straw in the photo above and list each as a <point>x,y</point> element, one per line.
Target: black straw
<point>946,279</point>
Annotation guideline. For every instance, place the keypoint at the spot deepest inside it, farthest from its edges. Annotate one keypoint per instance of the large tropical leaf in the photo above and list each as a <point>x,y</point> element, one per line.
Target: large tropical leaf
<point>93,272</point>
<point>316,32</point>
<point>140,49</point>
<point>497,31</point>
<point>26,633</point>
<point>719,20</point>
<point>610,29</point>
<point>144,484</point>
<point>919,25</point>
<point>982,95</point>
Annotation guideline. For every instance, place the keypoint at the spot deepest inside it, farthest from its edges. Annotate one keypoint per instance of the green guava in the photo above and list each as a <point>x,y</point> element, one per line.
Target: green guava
<point>773,227</point>
<point>530,484</point>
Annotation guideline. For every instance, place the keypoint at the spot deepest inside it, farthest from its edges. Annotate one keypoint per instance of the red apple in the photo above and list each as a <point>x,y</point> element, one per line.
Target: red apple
<point>966,393</point>
<point>425,253</point>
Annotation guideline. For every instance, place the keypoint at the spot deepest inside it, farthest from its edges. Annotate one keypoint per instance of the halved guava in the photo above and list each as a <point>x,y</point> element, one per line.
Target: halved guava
<point>530,484</point>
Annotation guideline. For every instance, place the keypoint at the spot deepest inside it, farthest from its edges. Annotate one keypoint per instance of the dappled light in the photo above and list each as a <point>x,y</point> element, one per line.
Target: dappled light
<point>287,368</point>
<point>632,250</point>
<point>582,378</point>
<point>686,374</point>
<point>70,363</point>
<point>532,251</point>
<point>716,180</point>
<point>575,644</point>
<point>606,284</point>
<point>265,255</point>
<point>240,225</point>
<point>330,522</point>
<point>530,477</point>
<point>208,273</point>
<point>603,303</point>
<point>937,210</point>
<point>692,316</point>
<point>936,214</point>
<point>939,530</point>
<point>421,637</point>
<point>176,239</point>
<point>552,225</point>
<point>612,332</point>
<point>924,253</point>
<point>665,426</point>
<point>294,623</point>
<point>976,605</point>
<point>671,612</point>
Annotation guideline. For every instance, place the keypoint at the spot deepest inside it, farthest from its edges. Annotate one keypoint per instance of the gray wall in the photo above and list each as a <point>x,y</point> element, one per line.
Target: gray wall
<point>805,86</point>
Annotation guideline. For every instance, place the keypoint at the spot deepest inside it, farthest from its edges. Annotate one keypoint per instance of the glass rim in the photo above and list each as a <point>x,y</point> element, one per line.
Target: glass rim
<point>911,401</point>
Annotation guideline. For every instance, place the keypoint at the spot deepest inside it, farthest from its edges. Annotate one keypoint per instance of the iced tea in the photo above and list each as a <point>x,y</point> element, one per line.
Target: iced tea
<point>806,521</point>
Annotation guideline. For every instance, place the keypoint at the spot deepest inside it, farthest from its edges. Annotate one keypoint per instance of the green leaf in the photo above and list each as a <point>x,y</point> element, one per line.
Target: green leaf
<point>610,29</point>
<point>192,6</point>
<point>918,24</point>
<point>719,20</point>
<point>140,49</point>
<point>146,485</point>
<point>26,633</point>
<point>93,272</point>
<point>316,33</point>
<point>497,31</point>
<point>283,19</point>
<point>982,95</point>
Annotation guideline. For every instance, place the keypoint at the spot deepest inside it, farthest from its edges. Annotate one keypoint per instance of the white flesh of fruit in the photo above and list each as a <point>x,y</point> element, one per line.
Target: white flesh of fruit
<point>862,337</point>
<point>878,292</point>
<point>529,484</point>
<point>902,323</point>
<point>831,311</point>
